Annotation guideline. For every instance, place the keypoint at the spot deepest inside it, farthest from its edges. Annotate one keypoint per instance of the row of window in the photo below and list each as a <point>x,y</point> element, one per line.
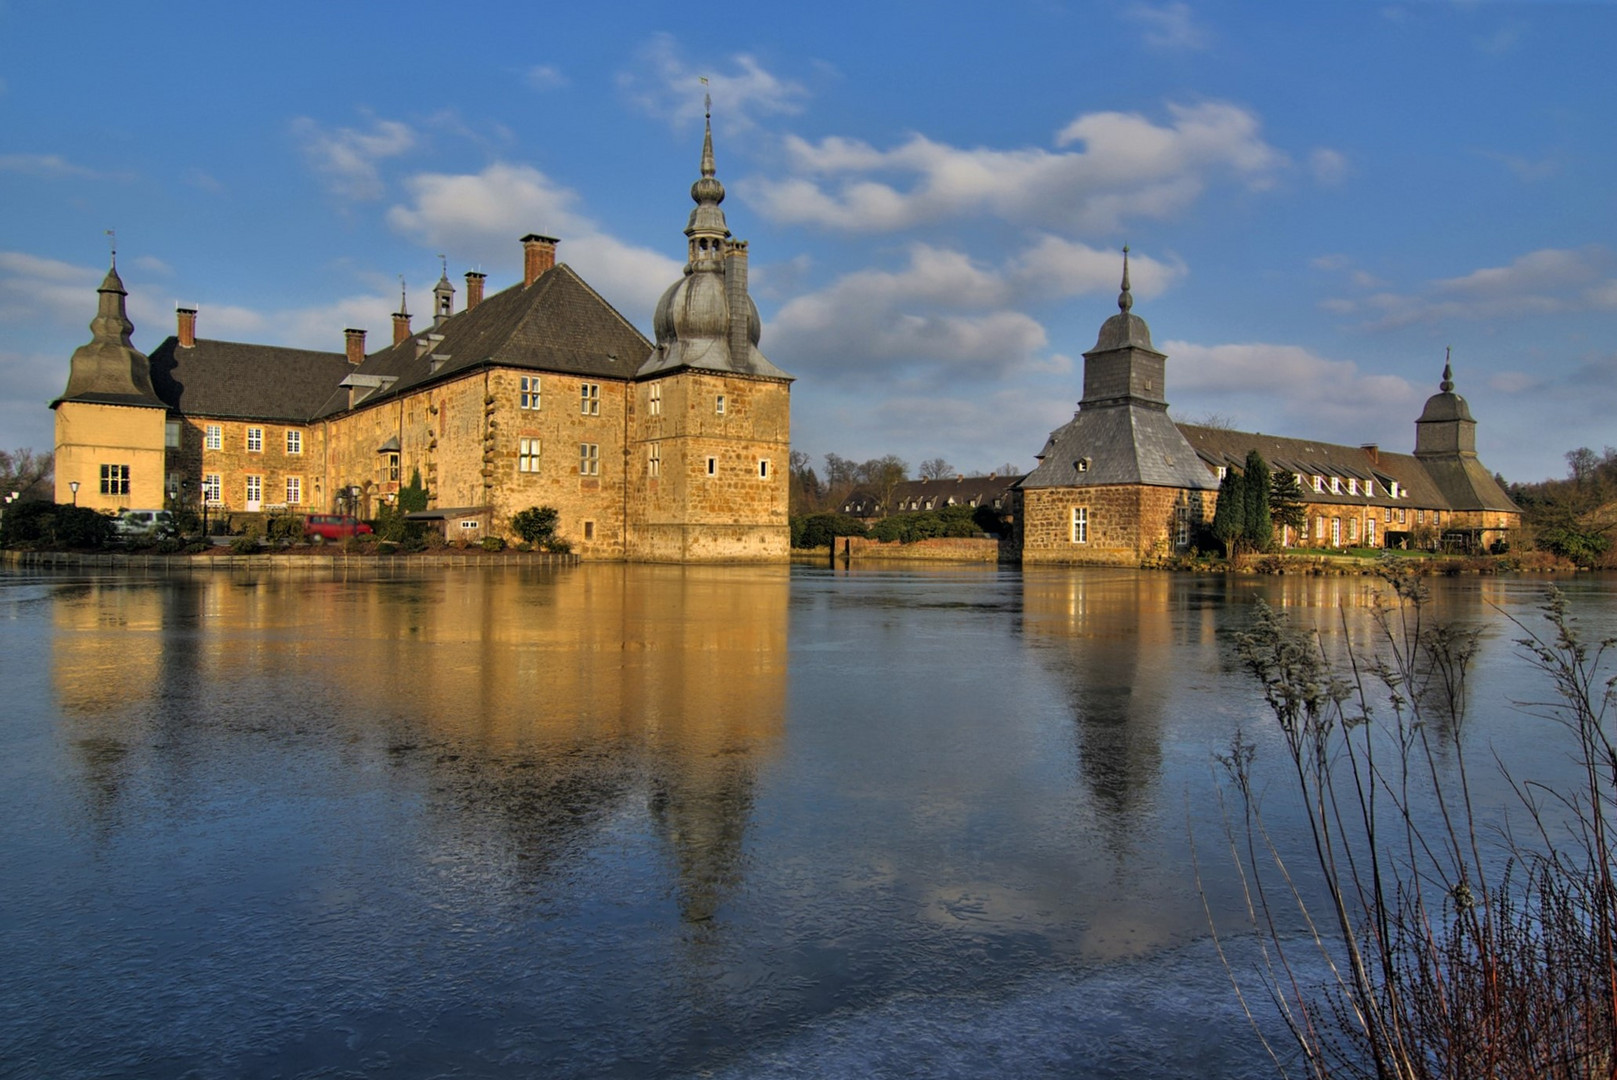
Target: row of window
<point>589,459</point>
<point>213,438</point>
<point>589,397</point>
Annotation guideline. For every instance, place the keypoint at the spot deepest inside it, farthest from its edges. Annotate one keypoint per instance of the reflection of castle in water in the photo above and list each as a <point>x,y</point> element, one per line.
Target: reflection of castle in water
<point>525,710</point>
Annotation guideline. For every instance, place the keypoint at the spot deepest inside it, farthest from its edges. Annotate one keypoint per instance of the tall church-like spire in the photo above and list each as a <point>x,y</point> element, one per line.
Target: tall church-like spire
<point>109,368</point>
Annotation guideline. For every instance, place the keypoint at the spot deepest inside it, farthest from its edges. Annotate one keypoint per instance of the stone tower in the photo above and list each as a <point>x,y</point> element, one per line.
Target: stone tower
<point>110,424</point>
<point>1446,444</point>
<point>710,420</point>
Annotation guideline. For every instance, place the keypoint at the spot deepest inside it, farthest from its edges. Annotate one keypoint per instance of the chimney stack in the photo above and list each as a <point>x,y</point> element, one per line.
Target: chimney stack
<point>1373,452</point>
<point>355,340</point>
<point>401,326</point>
<point>538,255</point>
<point>187,332</point>
<point>474,288</point>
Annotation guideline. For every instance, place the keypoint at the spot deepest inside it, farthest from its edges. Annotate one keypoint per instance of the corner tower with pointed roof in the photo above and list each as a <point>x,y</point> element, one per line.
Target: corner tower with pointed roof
<point>710,423</point>
<point>1118,483</point>
<point>110,424</point>
<point>1446,444</point>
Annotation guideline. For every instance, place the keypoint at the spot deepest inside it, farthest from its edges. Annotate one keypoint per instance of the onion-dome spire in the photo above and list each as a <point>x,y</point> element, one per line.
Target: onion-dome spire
<point>1125,299</point>
<point>109,368</point>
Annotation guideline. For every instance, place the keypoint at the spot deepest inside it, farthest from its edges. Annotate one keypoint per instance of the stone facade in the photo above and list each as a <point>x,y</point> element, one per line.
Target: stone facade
<point>1111,525</point>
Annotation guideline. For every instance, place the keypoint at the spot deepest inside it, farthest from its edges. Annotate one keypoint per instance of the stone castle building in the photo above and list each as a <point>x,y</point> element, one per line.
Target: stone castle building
<point>1123,484</point>
<point>539,395</point>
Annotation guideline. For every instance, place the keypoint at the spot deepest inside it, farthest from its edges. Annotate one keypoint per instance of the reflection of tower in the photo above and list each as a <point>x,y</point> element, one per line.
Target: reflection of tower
<point>1103,630</point>
<point>702,810</point>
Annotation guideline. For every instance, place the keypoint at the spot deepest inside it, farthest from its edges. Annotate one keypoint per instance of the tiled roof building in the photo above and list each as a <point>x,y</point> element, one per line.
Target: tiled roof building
<point>1123,484</point>
<point>541,394</point>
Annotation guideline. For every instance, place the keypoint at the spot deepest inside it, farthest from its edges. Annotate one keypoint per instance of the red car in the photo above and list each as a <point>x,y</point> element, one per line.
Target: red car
<point>333,527</point>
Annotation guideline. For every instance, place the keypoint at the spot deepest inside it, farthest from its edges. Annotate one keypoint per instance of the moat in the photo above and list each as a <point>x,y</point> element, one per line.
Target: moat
<point>612,820</point>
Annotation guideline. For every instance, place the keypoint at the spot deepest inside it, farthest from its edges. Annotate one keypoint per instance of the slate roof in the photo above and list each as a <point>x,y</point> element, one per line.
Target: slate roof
<point>250,382</point>
<point>556,324</point>
<point>1467,484</point>
<point>964,490</point>
<point>1119,445</point>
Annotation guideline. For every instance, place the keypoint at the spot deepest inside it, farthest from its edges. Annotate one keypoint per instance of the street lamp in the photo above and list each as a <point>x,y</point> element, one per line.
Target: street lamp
<point>74,484</point>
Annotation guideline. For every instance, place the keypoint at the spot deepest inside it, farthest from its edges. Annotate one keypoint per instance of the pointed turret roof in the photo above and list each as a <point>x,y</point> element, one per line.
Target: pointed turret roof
<point>109,370</point>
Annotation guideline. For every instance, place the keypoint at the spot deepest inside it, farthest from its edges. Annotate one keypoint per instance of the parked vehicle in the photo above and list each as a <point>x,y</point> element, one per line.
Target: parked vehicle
<point>143,524</point>
<point>323,527</point>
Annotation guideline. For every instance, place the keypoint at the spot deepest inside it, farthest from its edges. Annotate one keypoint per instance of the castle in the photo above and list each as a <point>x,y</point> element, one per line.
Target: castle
<point>542,394</point>
<point>1123,484</point>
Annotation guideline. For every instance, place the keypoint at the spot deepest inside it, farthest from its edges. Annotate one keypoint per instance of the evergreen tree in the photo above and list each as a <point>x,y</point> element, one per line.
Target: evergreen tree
<point>1286,503</point>
<point>1257,525</point>
<point>1229,516</point>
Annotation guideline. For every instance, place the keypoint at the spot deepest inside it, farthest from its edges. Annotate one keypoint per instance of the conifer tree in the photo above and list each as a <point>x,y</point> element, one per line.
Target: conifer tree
<point>1229,516</point>
<point>1286,502</point>
<point>1257,525</point>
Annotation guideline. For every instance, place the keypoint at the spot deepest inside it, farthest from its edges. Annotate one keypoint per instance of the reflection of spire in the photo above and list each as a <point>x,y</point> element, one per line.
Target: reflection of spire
<point>702,810</point>
<point>1125,300</point>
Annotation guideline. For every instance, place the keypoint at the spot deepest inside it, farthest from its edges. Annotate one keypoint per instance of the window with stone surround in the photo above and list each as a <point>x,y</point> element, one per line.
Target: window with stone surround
<point>529,398</point>
<point>718,405</point>
<point>589,459</point>
<point>213,437</point>
<point>654,460</point>
<point>763,468</point>
<point>115,479</point>
<point>1370,532</point>
<point>527,455</point>
<point>589,530</point>
<point>654,399</point>
<point>294,490</point>
<point>255,492</point>
<point>589,399</point>
<point>255,440</point>
<point>294,442</point>
<point>1319,527</point>
<point>212,489</point>
<point>393,467</point>
<point>712,466</point>
<point>1080,524</point>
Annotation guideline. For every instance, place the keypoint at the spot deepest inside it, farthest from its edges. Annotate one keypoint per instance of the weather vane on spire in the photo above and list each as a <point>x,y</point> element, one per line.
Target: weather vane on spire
<point>112,243</point>
<point>443,261</point>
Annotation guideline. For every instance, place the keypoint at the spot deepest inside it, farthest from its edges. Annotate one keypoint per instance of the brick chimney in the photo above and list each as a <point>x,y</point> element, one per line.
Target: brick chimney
<point>474,288</point>
<point>1373,452</point>
<point>187,332</point>
<point>355,341</point>
<point>401,326</point>
<point>538,255</point>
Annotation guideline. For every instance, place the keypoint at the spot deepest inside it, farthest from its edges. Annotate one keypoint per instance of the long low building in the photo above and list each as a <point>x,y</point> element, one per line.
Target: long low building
<point>542,394</point>
<point>1123,484</point>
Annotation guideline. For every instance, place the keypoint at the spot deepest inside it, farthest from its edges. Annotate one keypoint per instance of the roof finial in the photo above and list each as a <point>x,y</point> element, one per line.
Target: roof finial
<point>1125,300</point>
<point>1447,385</point>
<point>112,243</point>
<point>404,308</point>
<point>708,168</point>
<point>443,260</point>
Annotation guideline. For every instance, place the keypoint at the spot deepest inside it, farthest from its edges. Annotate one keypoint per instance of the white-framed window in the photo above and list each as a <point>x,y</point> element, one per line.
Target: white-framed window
<point>589,459</point>
<point>589,399</point>
<point>294,490</point>
<point>1437,517</point>
<point>1403,516</point>
<point>527,455</point>
<point>255,440</point>
<point>1181,526</point>
<point>115,479</point>
<point>1319,527</point>
<point>763,468</point>
<point>529,398</point>
<point>1080,524</point>
<point>713,466</point>
<point>1336,532</point>
<point>1370,532</point>
<point>213,437</point>
<point>654,459</point>
<point>1353,485</point>
<point>1336,485</point>
<point>393,467</point>
<point>255,492</point>
<point>1369,489</point>
<point>1223,471</point>
<point>654,399</point>
<point>1319,484</point>
<point>1353,528</point>
<point>171,435</point>
<point>294,441</point>
<point>212,489</point>
<point>1420,517</point>
<point>718,405</point>
<point>468,524</point>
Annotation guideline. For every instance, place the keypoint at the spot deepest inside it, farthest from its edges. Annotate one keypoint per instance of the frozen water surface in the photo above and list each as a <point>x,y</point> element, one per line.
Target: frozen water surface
<point>642,821</point>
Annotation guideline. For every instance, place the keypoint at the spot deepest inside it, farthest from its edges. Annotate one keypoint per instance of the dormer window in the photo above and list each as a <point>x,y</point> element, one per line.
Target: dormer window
<point>1353,485</point>
<point>1336,485</point>
<point>1319,484</point>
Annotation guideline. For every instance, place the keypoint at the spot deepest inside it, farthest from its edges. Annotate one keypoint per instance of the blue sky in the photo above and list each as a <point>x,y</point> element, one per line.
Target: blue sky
<point>1320,197</point>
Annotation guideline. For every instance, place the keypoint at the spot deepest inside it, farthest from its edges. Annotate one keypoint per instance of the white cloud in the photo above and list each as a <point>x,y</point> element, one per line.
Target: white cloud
<point>1169,27</point>
<point>478,217</point>
<point>347,158</point>
<point>1544,282</point>
<point>1287,388</point>
<point>1128,167</point>
<point>664,83</point>
<point>544,77</point>
<point>49,166</point>
<point>1329,167</point>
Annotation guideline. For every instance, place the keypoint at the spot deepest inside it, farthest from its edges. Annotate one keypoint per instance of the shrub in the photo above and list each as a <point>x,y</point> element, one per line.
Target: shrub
<point>822,530</point>
<point>245,544</point>
<point>38,523</point>
<point>493,543</point>
<point>282,527</point>
<point>536,524</point>
<point>559,546</point>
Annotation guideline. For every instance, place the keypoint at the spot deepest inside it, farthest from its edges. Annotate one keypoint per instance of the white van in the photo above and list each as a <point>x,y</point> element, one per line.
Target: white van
<point>131,524</point>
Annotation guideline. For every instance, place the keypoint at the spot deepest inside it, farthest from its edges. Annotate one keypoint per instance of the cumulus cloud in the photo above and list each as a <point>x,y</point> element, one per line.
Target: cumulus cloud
<point>1544,282</point>
<point>347,157</point>
<point>1169,27</point>
<point>544,77</point>
<point>1287,388</point>
<point>1127,166</point>
<point>666,84</point>
<point>1329,167</point>
<point>479,217</point>
<point>944,318</point>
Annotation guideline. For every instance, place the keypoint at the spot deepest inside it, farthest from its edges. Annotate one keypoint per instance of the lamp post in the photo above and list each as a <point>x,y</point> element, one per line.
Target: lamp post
<point>73,485</point>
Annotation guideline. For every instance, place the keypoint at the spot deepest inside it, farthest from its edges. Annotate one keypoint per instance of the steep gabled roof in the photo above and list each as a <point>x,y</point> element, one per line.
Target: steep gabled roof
<point>556,324</point>
<point>251,382</point>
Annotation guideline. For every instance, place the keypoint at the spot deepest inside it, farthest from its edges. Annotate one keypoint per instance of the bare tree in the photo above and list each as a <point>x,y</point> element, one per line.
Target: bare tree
<point>29,474</point>
<point>936,469</point>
